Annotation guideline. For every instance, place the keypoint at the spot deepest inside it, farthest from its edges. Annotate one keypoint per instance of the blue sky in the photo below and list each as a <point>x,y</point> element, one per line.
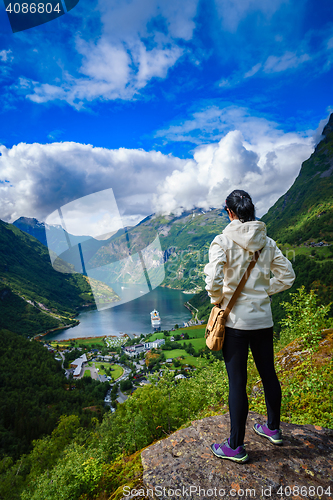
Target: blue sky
<point>172,104</point>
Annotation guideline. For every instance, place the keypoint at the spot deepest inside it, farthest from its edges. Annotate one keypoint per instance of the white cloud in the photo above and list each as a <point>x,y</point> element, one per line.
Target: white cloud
<point>6,55</point>
<point>110,72</point>
<point>55,134</point>
<point>139,42</point>
<point>317,137</point>
<point>253,154</point>
<point>104,62</point>
<point>6,58</point>
<point>148,18</point>
<point>154,63</point>
<point>253,70</point>
<point>289,60</point>
<point>212,122</point>
<point>123,45</point>
<point>233,11</point>
<point>47,176</point>
<point>201,182</point>
<point>273,64</point>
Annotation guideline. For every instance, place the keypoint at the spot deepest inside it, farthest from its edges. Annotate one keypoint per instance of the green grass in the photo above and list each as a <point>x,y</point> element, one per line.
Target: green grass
<point>198,343</point>
<point>188,359</point>
<point>175,353</point>
<point>55,344</point>
<point>191,360</point>
<point>321,253</point>
<point>154,336</point>
<point>194,332</point>
<point>118,371</point>
<point>98,366</point>
<point>197,339</point>
<point>97,342</point>
<point>87,373</point>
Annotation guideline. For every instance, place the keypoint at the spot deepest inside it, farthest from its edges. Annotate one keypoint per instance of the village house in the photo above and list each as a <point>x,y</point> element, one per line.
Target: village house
<point>77,364</point>
<point>155,344</point>
<point>133,350</point>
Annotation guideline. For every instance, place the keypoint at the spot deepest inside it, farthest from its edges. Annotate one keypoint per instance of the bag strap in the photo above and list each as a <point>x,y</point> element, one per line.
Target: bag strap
<point>241,284</point>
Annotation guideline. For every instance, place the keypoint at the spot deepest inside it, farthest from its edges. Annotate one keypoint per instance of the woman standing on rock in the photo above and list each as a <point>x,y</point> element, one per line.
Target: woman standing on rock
<point>250,320</point>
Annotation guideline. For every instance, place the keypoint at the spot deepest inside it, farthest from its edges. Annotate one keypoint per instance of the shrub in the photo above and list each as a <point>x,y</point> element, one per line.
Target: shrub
<point>305,318</point>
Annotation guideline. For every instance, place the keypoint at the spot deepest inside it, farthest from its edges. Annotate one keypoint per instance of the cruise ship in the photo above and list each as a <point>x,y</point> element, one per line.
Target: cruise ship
<point>155,319</point>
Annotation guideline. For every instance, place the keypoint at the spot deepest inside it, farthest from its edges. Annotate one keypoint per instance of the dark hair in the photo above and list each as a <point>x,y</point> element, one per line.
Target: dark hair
<point>240,203</point>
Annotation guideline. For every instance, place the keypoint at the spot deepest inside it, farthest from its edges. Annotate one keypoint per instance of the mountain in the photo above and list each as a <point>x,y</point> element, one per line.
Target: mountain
<point>33,296</point>
<point>184,242</point>
<point>304,214</point>
<point>301,222</point>
<point>173,248</point>
<point>32,227</point>
<point>56,239</point>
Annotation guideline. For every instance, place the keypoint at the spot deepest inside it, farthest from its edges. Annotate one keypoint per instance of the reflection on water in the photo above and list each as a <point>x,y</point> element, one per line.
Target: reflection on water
<point>131,317</point>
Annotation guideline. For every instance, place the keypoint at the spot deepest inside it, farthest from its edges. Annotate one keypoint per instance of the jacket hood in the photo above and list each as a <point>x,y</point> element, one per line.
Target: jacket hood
<point>249,235</point>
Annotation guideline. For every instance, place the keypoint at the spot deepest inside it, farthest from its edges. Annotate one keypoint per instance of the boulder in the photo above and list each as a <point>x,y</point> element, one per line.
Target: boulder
<point>183,467</point>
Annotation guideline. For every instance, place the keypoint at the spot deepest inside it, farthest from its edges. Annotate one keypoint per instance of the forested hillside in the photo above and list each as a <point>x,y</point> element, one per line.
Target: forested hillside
<point>33,296</point>
<point>301,222</point>
<point>34,393</point>
<point>53,448</point>
<point>305,212</point>
<point>184,241</point>
<point>77,462</point>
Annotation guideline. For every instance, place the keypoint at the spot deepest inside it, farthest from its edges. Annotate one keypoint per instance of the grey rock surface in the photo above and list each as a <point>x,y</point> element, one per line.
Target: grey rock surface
<point>182,466</point>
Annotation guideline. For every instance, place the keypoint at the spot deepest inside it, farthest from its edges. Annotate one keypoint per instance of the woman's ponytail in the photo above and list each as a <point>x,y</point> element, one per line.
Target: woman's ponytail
<point>240,203</point>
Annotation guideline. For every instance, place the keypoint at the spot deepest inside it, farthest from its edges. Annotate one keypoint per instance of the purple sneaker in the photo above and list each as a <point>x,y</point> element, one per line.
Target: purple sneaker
<point>275,436</point>
<point>223,450</point>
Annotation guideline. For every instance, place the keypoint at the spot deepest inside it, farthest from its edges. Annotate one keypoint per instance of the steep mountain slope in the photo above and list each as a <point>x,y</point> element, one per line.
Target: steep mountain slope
<point>33,296</point>
<point>187,244</point>
<point>305,211</point>
<point>33,227</point>
<point>56,238</point>
<point>184,240</point>
<point>301,221</point>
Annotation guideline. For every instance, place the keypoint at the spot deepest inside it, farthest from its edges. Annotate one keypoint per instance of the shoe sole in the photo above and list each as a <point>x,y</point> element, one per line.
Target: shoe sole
<point>242,460</point>
<point>278,442</point>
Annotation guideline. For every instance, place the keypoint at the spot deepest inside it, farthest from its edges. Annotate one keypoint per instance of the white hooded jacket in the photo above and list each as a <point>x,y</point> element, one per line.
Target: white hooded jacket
<point>229,255</point>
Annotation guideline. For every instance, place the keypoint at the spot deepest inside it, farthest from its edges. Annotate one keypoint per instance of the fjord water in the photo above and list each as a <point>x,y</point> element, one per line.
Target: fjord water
<point>131,317</point>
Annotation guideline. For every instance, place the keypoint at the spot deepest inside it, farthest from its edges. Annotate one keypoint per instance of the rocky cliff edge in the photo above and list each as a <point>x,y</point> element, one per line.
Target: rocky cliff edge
<point>183,467</point>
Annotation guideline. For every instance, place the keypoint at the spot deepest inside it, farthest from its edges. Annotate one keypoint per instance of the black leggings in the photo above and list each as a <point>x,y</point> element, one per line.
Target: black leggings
<point>235,353</point>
